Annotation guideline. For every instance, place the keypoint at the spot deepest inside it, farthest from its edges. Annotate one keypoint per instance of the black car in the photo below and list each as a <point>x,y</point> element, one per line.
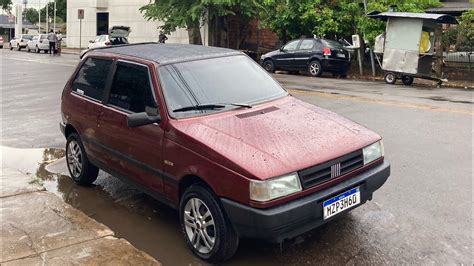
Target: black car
<point>314,55</point>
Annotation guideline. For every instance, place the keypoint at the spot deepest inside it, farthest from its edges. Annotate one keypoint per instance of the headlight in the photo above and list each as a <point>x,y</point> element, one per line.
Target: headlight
<point>274,188</point>
<point>373,152</point>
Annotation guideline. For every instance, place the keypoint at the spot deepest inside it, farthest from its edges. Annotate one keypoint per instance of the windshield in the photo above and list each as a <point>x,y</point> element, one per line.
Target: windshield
<point>224,80</point>
<point>28,37</point>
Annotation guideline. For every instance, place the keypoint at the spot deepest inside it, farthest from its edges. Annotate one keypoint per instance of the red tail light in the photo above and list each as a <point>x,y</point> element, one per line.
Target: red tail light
<point>326,51</point>
<point>108,43</point>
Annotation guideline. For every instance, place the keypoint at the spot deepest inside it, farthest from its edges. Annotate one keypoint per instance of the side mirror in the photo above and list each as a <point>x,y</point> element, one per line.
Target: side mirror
<point>148,117</point>
<point>281,49</point>
<point>91,41</point>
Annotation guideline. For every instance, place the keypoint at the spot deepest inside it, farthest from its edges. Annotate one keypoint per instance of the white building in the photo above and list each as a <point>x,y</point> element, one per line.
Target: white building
<point>100,15</point>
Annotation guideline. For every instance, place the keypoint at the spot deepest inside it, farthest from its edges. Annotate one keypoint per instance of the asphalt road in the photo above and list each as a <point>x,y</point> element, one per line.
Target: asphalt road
<point>423,214</point>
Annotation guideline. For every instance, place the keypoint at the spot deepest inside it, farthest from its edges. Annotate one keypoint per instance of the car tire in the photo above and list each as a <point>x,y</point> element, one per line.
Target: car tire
<point>315,69</point>
<point>28,49</point>
<point>269,66</point>
<point>11,47</point>
<point>18,48</point>
<point>390,78</point>
<point>80,169</point>
<point>407,80</point>
<point>37,50</point>
<point>221,238</point>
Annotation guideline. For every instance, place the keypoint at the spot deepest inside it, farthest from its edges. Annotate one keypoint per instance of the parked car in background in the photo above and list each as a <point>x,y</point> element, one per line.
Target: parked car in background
<point>1,42</point>
<point>38,43</point>
<point>313,55</point>
<point>117,35</point>
<point>20,41</point>
<point>207,131</point>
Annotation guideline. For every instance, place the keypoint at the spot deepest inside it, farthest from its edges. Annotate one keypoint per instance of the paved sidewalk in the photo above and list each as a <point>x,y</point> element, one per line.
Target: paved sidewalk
<point>38,228</point>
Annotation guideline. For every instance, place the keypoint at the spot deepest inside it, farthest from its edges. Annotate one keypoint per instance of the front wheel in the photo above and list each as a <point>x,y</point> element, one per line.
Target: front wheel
<point>18,48</point>
<point>11,47</point>
<point>206,228</point>
<point>315,69</point>
<point>80,169</point>
<point>269,66</point>
<point>28,49</point>
<point>390,78</point>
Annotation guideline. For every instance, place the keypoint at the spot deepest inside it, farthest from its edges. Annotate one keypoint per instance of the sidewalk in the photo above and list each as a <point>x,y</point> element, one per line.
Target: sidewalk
<point>39,228</point>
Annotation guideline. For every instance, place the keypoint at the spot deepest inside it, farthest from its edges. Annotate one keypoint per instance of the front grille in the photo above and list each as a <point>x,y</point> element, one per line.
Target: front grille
<point>323,172</point>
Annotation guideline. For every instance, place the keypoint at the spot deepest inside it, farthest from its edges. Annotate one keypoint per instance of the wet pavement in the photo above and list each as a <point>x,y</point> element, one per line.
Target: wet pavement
<point>423,214</point>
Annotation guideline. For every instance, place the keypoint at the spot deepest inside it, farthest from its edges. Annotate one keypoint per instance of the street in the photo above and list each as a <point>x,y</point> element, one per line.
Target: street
<point>423,214</point>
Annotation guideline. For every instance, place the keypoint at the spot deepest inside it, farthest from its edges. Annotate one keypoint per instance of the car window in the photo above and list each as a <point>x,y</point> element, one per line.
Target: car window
<point>233,79</point>
<point>291,46</point>
<point>131,89</point>
<point>332,44</point>
<point>90,80</point>
<point>27,37</point>
<point>307,45</point>
<point>35,38</point>
<point>44,37</point>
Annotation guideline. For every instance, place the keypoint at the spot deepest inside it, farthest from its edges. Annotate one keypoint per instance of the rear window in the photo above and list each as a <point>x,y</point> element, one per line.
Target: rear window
<point>91,79</point>
<point>332,44</point>
<point>28,37</point>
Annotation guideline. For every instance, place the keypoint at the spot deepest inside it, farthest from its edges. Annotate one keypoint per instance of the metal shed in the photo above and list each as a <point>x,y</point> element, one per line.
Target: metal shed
<point>409,44</point>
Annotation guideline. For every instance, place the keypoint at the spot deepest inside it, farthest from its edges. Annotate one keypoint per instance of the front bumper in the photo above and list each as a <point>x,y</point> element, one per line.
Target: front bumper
<point>302,215</point>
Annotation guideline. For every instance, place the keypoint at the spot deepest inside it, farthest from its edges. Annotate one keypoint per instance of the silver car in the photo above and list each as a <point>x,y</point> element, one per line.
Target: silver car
<point>38,43</point>
<point>20,41</point>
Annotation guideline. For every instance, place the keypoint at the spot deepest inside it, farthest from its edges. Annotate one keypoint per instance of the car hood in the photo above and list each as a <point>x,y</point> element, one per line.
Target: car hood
<point>270,54</point>
<point>275,138</point>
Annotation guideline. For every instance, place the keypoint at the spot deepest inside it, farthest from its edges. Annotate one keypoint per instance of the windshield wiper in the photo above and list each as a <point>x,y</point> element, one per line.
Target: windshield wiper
<point>214,106</point>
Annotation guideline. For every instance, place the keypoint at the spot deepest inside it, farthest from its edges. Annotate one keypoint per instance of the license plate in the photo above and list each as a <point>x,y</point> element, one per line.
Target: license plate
<point>341,202</point>
<point>341,55</point>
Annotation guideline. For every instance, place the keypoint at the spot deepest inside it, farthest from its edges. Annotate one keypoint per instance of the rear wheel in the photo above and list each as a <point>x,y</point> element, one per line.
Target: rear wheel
<point>206,228</point>
<point>407,80</point>
<point>80,169</point>
<point>37,50</point>
<point>11,47</point>
<point>18,48</point>
<point>269,66</point>
<point>28,49</point>
<point>390,78</point>
<point>315,69</point>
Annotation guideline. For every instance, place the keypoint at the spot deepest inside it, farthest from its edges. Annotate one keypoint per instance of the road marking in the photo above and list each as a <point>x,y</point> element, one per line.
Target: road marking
<point>380,102</point>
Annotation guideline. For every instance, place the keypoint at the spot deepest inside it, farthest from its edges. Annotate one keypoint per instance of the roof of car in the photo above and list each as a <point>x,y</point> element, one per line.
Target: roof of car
<point>167,53</point>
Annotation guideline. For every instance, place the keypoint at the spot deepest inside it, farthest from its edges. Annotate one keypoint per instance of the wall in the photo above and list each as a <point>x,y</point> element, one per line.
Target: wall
<point>121,12</point>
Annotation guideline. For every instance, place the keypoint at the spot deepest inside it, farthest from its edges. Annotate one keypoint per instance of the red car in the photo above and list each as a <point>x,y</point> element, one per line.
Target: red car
<point>209,132</point>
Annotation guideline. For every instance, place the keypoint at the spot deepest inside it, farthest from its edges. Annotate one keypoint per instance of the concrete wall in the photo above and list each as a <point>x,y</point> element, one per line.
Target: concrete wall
<point>121,12</point>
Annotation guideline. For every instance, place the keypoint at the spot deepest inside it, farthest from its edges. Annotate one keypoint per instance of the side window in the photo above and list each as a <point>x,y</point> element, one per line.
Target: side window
<point>91,79</point>
<point>307,45</point>
<point>131,89</point>
<point>291,46</point>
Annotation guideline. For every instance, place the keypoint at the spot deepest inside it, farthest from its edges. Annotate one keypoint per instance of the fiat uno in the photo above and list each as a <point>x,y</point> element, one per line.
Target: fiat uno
<point>210,133</point>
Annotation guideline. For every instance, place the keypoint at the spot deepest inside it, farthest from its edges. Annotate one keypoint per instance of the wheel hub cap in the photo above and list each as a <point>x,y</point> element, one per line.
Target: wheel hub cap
<point>199,225</point>
<point>74,158</point>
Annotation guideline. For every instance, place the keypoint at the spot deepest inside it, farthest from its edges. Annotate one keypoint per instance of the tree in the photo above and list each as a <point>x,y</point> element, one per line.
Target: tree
<point>61,11</point>
<point>466,31</point>
<point>6,4</point>
<point>331,18</point>
<point>191,14</point>
<point>31,14</point>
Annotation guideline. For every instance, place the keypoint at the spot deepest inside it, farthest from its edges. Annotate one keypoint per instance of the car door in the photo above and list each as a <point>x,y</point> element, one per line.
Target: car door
<point>303,54</point>
<point>87,91</point>
<point>286,56</point>
<point>134,153</point>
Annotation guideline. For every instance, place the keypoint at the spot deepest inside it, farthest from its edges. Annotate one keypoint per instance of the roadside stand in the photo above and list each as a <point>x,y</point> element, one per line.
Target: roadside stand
<point>411,46</point>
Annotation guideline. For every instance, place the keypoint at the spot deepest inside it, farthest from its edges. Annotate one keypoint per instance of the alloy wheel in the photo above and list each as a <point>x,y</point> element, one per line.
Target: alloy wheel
<point>314,69</point>
<point>199,225</point>
<point>74,158</point>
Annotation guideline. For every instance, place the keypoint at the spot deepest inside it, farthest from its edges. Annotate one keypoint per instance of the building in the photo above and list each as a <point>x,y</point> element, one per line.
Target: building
<point>100,15</point>
<point>8,27</point>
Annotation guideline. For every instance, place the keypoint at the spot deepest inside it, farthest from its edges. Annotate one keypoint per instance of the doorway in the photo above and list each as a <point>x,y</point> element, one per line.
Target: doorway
<point>102,23</point>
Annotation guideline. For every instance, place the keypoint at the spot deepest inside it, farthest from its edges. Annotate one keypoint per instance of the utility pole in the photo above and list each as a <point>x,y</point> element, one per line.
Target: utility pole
<point>47,16</point>
<point>39,17</point>
<point>372,62</point>
<point>54,15</point>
